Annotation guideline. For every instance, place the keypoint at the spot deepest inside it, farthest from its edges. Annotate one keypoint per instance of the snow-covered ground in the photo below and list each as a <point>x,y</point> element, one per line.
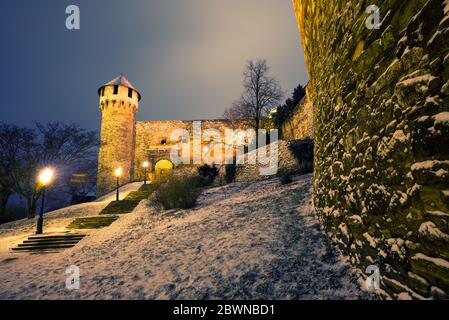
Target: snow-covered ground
<point>242,241</point>
<point>54,222</point>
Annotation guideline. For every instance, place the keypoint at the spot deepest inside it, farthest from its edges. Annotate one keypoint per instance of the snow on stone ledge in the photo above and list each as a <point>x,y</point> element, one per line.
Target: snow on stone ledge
<point>442,117</point>
<point>437,261</point>
<point>428,164</point>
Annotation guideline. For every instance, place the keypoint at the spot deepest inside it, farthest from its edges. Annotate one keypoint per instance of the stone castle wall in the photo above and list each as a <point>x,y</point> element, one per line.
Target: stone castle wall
<point>127,144</point>
<point>300,124</point>
<point>381,124</point>
<point>152,139</point>
<point>285,161</point>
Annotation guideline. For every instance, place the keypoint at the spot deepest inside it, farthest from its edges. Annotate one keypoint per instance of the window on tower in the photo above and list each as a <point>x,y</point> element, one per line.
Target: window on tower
<point>130,93</point>
<point>116,89</point>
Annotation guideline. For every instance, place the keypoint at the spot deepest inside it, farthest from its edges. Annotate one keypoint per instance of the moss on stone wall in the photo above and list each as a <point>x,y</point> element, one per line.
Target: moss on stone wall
<point>381,123</point>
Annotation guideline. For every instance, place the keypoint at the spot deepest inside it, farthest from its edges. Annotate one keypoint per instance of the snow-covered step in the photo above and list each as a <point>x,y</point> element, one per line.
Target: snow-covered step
<point>43,243</point>
<point>95,222</point>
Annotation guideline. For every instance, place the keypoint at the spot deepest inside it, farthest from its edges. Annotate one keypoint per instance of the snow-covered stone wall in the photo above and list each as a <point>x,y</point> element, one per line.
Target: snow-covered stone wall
<point>381,125</point>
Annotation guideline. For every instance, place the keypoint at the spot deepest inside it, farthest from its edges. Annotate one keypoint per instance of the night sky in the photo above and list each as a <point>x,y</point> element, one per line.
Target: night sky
<point>186,57</point>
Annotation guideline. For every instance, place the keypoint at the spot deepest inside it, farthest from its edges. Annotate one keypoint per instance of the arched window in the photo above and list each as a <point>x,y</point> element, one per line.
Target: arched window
<point>164,141</point>
<point>115,89</point>
<point>130,93</point>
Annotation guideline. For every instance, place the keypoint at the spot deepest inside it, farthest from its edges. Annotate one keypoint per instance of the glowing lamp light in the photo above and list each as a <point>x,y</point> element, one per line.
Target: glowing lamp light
<point>145,164</point>
<point>118,172</point>
<point>46,176</point>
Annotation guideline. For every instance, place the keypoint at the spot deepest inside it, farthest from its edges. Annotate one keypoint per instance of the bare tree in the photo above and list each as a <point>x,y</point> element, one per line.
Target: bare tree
<point>66,144</point>
<point>25,176</point>
<point>13,141</point>
<point>64,147</point>
<point>261,94</point>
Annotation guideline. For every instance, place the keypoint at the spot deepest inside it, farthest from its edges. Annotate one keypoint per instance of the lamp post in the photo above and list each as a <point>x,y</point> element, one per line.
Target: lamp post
<point>45,177</point>
<point>145,166</point>
<point>118,173</point>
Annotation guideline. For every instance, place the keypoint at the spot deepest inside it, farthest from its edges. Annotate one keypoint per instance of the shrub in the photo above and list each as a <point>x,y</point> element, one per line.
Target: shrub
<point>303,152</point>
<point>285,177</point>
<point>208,172</point>
<point>178,192</point>
<point>201,182</point>
<point>220,181</point>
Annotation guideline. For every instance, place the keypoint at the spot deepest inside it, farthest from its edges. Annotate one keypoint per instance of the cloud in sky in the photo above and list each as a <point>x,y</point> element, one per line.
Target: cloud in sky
<point>185,56</point>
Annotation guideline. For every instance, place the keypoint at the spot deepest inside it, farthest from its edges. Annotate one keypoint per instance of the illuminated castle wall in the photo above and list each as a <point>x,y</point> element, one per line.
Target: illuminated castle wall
<point>127,144</point>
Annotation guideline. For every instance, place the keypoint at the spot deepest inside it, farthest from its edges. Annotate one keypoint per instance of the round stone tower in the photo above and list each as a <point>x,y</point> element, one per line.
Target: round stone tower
<point>119,102</point>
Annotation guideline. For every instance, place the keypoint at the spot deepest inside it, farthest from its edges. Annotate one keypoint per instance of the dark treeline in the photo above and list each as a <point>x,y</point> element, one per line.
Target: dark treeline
<point>285,110</point>
<point>68,149</point>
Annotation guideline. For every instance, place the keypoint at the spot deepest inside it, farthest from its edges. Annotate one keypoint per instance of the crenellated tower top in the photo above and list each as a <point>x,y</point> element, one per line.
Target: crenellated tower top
<point>119,91</point>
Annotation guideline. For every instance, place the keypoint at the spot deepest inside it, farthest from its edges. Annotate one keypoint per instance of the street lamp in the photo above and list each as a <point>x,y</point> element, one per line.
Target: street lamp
<point>118,173</point>
<point>45,178</point>
<point>145,166</point>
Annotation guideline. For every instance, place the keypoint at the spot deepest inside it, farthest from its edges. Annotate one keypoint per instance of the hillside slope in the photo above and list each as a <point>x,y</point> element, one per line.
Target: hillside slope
<point>55,221</point>
<point>242,241</point>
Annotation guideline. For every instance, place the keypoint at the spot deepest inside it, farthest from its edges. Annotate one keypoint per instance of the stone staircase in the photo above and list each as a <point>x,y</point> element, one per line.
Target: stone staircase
<point>49,243</point>
<point>56,242</point>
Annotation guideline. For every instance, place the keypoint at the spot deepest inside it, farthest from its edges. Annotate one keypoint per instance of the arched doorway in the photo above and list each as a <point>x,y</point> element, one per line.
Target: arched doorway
<point>162,169</point>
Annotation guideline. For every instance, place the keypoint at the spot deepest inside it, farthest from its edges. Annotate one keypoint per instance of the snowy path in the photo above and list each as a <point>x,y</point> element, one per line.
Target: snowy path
<point>243,241</point>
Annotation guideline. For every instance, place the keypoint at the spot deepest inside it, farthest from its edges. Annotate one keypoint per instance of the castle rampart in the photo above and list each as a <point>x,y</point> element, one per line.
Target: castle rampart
<point>381,126</point>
